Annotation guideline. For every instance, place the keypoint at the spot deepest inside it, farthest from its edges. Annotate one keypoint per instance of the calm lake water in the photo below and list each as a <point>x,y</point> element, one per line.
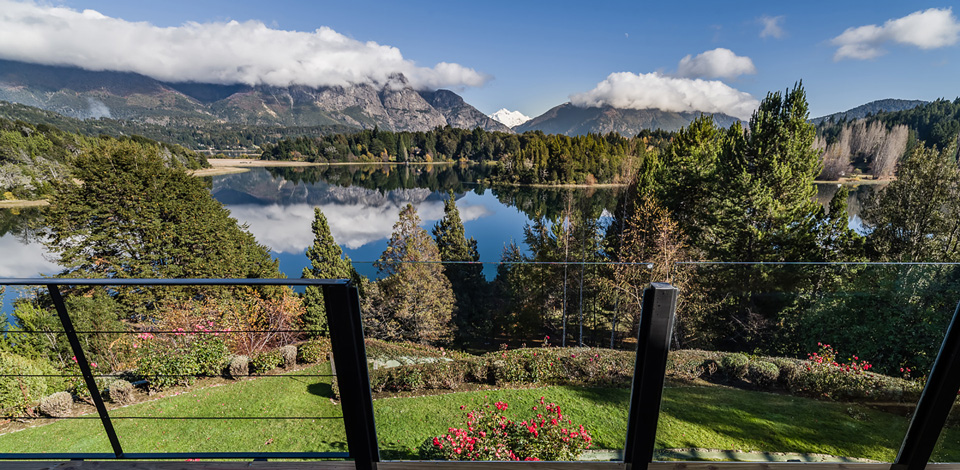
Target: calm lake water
<point>361,202</point>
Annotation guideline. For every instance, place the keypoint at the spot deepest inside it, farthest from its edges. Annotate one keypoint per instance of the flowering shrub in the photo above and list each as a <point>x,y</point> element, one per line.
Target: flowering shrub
<point>74,381</point>
<point>487,434</point>
<point>828,376</point>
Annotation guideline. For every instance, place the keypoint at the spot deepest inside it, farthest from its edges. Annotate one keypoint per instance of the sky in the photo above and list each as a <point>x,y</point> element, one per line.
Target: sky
<point>519,55</point>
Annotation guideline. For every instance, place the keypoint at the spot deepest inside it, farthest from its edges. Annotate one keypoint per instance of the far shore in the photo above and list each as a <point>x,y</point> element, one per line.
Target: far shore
<point>250,163</point>
<point>21,203</point>
<point>855,181</point>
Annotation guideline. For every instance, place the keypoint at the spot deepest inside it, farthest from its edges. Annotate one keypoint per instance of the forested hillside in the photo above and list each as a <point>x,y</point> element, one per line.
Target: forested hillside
<point>529,158</point>
<point>33,156</point>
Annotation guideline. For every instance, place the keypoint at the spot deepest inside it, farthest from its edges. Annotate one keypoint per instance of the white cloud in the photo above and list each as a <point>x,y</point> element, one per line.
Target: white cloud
<point>927,29</point>
<point>24,259</point>
<point>772,26</point>
<point>653,90</point>
<point>716,63</point>
<point>286,228</point>
<point>231,52</point>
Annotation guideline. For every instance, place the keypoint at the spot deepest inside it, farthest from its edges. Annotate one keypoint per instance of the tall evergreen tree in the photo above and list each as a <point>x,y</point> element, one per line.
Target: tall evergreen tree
<point>765,209</point>
<point>418,300</point>
<point>326,262</point>
<point>469,286</point>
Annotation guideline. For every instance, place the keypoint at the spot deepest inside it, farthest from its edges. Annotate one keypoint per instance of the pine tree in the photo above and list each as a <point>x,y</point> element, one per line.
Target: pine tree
<point>326,262</point>
<point>765,207</point>
<point>467,281</point>
<point>418,300</point>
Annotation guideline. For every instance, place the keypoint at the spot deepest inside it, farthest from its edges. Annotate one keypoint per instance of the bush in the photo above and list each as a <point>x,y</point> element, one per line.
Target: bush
<point>487,434</point>
<point>266,361</point>
<point>763,372</point>
<point>166,362</point>
<point>735,365</point>
<point>238,366</point>
<point>289,354</point>
<point>74,381</point>
<point>57,405</point>
<point>313,351</point>
<point>121,392</point>
<point>18,394</point>
<point>210,353</point>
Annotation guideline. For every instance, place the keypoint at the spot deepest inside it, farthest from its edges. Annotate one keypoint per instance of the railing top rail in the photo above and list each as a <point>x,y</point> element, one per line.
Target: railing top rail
<point>50,281</point>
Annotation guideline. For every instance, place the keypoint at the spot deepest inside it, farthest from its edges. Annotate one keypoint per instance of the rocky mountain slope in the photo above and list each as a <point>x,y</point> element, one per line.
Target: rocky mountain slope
<point>572,120</point>
<point>873,107</point>
<point>87,94</point>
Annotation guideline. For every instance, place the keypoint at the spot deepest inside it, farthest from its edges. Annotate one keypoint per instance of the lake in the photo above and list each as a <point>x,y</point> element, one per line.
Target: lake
<point>361,202</point>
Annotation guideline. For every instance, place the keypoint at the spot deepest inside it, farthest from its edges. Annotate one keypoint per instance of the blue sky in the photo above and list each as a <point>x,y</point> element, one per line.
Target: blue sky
<point>531,56</point>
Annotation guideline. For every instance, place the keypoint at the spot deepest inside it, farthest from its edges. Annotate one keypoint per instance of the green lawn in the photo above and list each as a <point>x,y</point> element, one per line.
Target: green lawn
<point>691,417</point>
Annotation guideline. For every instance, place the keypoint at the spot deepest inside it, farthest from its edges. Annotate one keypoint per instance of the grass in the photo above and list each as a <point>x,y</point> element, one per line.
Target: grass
<point>691,417</point>
<point>285,395</point>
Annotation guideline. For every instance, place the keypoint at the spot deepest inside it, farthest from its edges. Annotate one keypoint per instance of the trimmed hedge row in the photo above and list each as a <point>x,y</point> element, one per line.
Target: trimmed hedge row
<point>605,368</point>
<point>795,376</point>
<point>548,366</point>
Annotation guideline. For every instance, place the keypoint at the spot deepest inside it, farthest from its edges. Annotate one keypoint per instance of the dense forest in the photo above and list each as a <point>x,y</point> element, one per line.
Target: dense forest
<point>869,143</point>
<point>529,158</point>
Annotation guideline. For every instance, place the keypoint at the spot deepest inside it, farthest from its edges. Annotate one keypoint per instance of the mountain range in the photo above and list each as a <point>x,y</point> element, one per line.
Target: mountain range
<point>395,106</point>
<point>86,94</point>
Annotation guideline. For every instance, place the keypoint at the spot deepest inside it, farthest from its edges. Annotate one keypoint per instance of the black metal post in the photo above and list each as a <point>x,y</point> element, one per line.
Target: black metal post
<point>935,402</point>
<point>85,369</point>
<point>346,339</point>
<point>653,344</point>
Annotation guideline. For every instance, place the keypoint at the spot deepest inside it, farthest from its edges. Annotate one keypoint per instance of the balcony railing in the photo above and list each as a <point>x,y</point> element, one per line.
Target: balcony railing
<point>342,302</point>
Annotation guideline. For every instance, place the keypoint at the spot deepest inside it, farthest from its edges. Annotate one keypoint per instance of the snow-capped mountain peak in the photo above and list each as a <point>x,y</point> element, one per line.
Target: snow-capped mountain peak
<point>509,118</point>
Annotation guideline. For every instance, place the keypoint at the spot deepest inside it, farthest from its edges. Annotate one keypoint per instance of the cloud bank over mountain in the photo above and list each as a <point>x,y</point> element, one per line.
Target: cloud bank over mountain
<point>927,29</point>
<point>229,52</point>
<point>653,90</point>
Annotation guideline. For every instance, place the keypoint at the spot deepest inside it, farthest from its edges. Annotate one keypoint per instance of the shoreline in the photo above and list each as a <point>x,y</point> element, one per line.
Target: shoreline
<point>253,163</point>
<point>22,203</point>
<point>855,182</point>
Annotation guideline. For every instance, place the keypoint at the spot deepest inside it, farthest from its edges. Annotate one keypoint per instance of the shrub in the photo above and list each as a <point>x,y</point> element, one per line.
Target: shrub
<point>210,353</point>
<point>18,394</point>
<point>735,365</point>
<point>266,361</point>
<point>121,392</point>
<point>487,434</point>
<point>74,381</point>
<point>313,351</point>
<point>165,363</point>
<point>289,354</point>
<point>763,372</point>
<point>238,366</point>
<point>57,405</point>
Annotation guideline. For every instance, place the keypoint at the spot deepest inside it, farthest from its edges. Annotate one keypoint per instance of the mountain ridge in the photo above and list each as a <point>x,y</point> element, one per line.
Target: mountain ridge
<point>571,120</point>
<point>84,94</point>
<point>872,107</point>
